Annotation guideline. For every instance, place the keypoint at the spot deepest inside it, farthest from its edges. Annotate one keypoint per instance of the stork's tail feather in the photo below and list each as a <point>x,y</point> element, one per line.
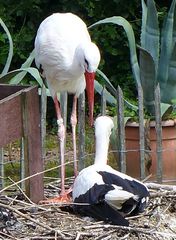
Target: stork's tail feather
<point>102,212</point>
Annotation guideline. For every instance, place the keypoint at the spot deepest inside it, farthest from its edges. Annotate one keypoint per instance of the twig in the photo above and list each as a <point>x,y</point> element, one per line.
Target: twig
<point>7,235</point>
<point>131,229</point>
<point>124,237</point>
<point>166,194</point>
<point>26,216</point>
<point>147,178</point>
<point>161,186</point>
<point>42,237</point>
<point>27,204</point>
<point>79,234</point>
<point>136,216</point>
<point>20,190</point>
<point>33,220</point>
<point>105,235</point>
<point>31,176</point>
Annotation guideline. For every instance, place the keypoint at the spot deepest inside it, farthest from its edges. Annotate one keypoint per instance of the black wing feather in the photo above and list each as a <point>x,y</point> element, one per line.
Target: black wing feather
<point>97,207</point>
<point>128,185</point>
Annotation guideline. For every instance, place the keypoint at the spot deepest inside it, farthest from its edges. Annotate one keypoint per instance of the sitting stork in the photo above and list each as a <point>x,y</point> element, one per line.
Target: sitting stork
<point>101,191</point>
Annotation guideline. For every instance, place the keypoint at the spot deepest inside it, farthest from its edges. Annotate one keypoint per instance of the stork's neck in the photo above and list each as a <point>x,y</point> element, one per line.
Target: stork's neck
<point>101,153</point>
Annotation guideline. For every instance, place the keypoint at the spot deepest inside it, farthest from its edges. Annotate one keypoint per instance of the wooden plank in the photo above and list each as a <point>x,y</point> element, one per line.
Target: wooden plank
<point>141,133</point>
<point>158,127</point>
<point>7,90</point>
<point>10,114</point>
<point>10,119</point>
<point>121,130</point>
<point>32,144</point>
<point>81,131</point>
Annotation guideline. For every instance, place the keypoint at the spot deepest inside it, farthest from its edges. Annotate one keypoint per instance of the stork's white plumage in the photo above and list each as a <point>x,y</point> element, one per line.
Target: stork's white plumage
<point>111,195</point>
<point>68,61</point>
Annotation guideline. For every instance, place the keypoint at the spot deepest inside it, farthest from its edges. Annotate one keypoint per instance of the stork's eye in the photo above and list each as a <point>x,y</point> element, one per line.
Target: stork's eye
<point>87,63</point>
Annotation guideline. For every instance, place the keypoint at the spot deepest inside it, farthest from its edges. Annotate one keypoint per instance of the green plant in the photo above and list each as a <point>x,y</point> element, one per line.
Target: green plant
<point>157,54</point>
<point>17,75</point>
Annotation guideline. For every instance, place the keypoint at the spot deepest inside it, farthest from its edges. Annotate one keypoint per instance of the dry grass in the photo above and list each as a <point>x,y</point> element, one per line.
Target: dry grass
<point>27,220</point>
<point>32,221</point>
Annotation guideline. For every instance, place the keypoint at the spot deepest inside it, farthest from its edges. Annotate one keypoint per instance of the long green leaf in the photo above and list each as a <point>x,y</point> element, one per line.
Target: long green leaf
<point>148,79</point>
<point>109,98</point>
<point>10,53</point>
<point>33,71</point>
<point>18,78</point>
<point>152,33</point>
<point>174,29</point>
<point>169,93</point>
<point>107,82</point>
<point>113,91</point>
<point>143,27</point>
<point>131,40</point>
<point>166,46</point>
<point>166,110</point>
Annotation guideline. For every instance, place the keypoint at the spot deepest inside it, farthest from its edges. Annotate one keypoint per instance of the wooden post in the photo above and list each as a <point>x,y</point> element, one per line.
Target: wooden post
<point>103,102</point>
<point>159,170</point>
<point>81,131</point>
<point>141,132</point>
<point>121,130</point>
<point>32,144</point>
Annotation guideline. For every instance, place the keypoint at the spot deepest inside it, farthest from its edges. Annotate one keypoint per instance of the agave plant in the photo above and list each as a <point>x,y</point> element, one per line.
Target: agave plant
<point>157,49</point>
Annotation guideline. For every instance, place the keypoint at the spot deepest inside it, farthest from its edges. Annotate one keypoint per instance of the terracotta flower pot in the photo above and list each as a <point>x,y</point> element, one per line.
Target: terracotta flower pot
<point>168,155</point>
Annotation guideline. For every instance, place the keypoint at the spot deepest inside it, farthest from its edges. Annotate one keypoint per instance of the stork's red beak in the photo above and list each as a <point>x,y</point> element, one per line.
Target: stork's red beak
<point>90,93</point>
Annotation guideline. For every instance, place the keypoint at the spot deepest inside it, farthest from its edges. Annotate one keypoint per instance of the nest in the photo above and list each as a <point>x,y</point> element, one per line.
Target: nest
<point>22,219</point>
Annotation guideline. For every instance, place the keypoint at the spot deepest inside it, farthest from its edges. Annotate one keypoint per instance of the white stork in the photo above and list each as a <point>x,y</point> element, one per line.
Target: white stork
<point>103,192</point>
<point>68,60</point>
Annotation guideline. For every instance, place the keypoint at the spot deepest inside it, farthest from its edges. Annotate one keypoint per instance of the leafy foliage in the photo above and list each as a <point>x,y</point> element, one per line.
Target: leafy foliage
<point>17,75</point>
<point>157,53</point>
<point>22,19</point>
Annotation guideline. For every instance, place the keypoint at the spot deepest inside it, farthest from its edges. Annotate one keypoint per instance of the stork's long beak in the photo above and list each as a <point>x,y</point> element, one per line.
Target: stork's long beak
<point>90,77</point>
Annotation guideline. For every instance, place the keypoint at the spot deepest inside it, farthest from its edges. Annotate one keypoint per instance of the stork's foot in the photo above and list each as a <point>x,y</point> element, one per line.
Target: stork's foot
<point>59,199</point>
<point>64,197</point>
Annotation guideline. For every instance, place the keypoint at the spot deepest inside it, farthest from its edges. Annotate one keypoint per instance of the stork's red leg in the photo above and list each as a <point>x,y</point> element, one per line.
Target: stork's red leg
<point>61,136</point>
<point>64,195</point>
<point>74,123</point>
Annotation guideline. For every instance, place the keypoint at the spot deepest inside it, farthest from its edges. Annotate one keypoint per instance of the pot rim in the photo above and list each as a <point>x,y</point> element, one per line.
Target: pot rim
<point>165,123</point>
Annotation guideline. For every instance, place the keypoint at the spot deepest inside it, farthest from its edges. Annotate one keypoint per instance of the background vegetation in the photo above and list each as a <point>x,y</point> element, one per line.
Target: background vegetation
<point>23,18</point>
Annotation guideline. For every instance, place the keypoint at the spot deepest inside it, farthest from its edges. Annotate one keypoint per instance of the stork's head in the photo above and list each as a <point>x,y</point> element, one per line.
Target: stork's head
<point>103,126</point>
<point>91,62</point>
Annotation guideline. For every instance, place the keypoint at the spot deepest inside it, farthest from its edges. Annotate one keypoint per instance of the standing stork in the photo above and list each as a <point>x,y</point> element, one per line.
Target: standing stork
<point>68,60</point>
<point>103,192</point>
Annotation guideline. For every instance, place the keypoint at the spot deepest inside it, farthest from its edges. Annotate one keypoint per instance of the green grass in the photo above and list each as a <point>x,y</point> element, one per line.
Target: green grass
<point>12,170</point>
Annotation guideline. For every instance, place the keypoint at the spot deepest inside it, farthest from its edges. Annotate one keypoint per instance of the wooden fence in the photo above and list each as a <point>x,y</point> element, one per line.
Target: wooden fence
<point>160,158</point>
<point>123,153</point>
<point>20,119</point>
